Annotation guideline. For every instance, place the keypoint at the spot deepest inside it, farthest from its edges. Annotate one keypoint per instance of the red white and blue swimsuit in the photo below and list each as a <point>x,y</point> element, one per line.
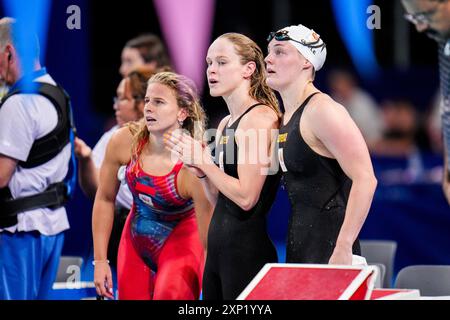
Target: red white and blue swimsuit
<point>160,253</point>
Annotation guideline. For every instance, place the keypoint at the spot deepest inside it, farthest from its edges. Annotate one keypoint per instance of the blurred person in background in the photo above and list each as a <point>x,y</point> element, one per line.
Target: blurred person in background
<point>36,131</point>
<point>433,18</point>
<point>400,122</point>
<point>360,105</point>
<point>404,144</point>
<point>146,49</point>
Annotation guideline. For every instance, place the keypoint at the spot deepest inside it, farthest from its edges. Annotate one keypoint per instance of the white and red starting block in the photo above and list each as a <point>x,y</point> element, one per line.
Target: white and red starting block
<point>285,281</point>
<point>395,294</point>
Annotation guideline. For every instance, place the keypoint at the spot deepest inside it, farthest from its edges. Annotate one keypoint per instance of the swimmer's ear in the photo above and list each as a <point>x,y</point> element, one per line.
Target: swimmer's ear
<point>182,114</point>
<point>249,69</point>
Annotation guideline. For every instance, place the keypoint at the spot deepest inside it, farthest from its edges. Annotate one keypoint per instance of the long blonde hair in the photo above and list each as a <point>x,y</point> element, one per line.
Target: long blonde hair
<point>187,97</point>
<point>248,50</point>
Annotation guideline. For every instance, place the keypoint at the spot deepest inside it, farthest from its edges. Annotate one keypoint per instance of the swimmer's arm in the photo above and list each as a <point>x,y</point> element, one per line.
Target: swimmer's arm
<point>203,207</point>
<point>103,212</point>
<point>88,173</point>
<point>332,125</point>
<point>7,167</point>
<point>245,191</point>
<point>210,189</point>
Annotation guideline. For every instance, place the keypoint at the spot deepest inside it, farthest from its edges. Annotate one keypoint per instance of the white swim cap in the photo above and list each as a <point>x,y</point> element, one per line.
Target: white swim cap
<point>307,42</point>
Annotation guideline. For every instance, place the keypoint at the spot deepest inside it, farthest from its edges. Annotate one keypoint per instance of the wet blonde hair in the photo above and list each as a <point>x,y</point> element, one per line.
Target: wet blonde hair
<point>249,51</point>
<point>187,98</point>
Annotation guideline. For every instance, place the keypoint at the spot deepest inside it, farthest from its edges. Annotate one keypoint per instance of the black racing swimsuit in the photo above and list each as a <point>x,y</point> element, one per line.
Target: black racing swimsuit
<point>238,242</point>
<point>318,191</point>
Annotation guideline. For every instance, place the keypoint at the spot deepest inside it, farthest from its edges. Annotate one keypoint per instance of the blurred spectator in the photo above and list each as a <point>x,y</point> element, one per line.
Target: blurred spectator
<point>401,154</point>
<point>147,49</point>
<point>433,18</point>
<point>400,127</point>
<point>361,106</point>
<point>35,151</point>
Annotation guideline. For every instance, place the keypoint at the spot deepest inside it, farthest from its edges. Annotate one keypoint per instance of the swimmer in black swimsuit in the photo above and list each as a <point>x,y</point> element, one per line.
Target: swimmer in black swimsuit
<point>238,243</point>
<point>325,162</point>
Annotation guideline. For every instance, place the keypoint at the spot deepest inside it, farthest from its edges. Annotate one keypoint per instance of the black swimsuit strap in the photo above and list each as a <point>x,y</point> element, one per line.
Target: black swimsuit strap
<point>246,111</point>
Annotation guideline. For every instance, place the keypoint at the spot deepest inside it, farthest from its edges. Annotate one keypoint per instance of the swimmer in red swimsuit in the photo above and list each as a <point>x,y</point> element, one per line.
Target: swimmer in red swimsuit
<point>161,253</point>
